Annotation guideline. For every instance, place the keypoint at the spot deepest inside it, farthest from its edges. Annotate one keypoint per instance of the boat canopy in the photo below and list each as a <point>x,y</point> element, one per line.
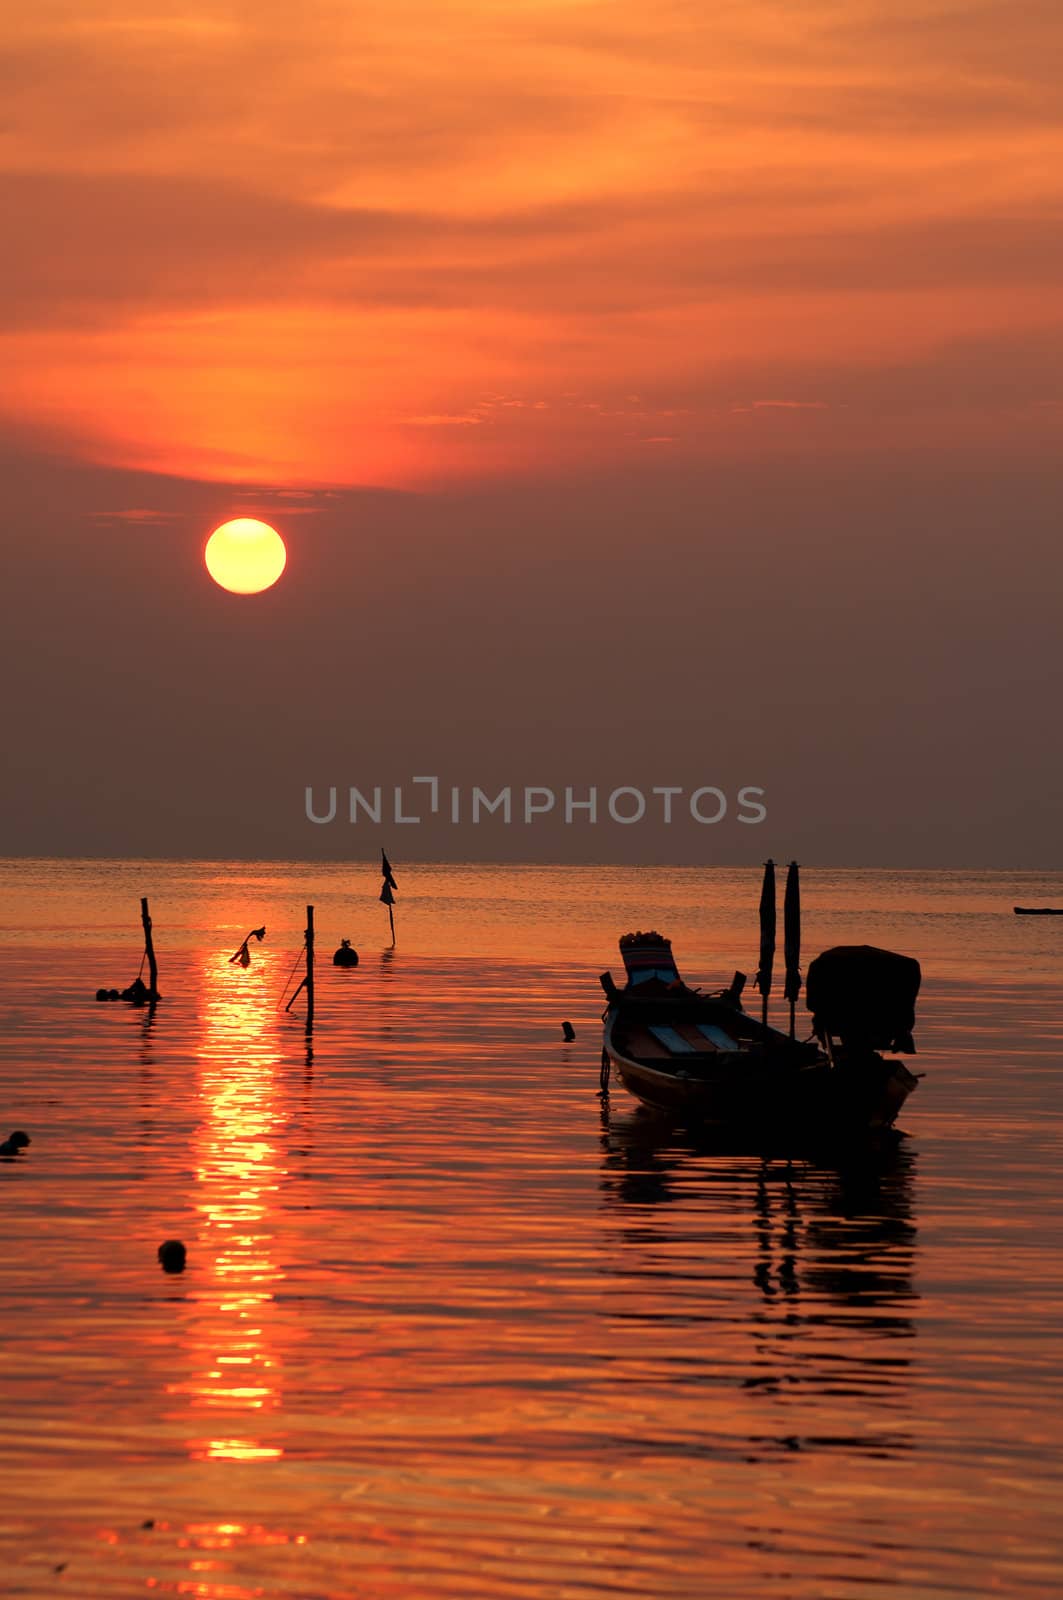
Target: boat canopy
<point>864,996</point>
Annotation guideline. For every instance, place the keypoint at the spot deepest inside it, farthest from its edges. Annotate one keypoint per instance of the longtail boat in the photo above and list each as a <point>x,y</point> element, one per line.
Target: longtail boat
<point>703,1059</point>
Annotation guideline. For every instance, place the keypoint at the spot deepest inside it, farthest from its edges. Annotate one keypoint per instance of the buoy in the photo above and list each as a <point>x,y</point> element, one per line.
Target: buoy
<point>569,1031</point>
<point>172,1255</point>
<point>101,994</point>
<point>346,955</point>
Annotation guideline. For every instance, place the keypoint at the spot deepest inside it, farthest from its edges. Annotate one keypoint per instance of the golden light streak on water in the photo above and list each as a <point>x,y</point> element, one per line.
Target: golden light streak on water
<point>238,1178</point>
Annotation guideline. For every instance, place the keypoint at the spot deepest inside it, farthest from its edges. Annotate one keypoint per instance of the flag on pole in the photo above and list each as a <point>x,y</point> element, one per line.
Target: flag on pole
<point>387,891</point>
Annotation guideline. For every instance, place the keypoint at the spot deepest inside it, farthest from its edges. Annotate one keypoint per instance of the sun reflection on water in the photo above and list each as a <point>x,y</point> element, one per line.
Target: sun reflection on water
<point>238,1174</point>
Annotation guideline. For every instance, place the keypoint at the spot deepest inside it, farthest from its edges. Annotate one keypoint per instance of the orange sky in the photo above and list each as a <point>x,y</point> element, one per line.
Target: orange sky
<point>416,242</point>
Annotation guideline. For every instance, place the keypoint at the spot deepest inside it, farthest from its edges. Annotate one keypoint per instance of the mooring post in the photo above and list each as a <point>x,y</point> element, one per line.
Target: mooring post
<point>149,950</point>
<point>309,967</point>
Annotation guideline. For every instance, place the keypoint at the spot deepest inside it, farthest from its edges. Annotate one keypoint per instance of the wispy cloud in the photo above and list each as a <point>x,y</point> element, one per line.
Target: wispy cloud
<point>346,276</point>
<point>468,419</point>
<point>136,516</point>
<point>789,405</point>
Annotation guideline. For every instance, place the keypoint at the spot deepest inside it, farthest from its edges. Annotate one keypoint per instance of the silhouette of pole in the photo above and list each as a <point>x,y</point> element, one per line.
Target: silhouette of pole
<point>309,968</point>
<point>149,950</point>
<point>387,892</point>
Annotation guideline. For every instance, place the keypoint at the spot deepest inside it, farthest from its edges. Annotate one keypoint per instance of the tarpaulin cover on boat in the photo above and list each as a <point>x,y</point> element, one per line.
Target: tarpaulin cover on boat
<point>648,956</point>
<point>864,996</point>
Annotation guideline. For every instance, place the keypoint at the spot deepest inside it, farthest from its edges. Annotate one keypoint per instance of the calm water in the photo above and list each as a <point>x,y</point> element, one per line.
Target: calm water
<point>449,1326</point>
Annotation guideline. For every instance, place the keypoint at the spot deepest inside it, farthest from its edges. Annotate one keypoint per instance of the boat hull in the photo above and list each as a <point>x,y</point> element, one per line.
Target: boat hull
<point>772,1093</point>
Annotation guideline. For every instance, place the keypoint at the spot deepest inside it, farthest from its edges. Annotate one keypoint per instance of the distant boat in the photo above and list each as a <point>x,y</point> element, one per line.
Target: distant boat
<point>1039,911</point>
<point>702,1058</point>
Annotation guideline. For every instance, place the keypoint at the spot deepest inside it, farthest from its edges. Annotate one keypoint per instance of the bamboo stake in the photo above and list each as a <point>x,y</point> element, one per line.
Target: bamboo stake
<point>309,968</point>
<point>149,950</point>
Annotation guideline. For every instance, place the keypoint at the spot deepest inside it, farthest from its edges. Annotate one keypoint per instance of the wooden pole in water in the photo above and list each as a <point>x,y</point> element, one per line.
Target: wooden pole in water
<point>149,950</point>
<point>309,967</point>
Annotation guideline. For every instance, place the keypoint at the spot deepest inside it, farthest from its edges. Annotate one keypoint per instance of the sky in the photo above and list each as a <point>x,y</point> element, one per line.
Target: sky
<point>647,396</point>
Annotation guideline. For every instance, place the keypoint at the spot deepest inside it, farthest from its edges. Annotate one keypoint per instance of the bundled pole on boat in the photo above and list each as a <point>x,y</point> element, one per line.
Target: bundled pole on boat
<point>149,951</point>
<point>387,892</point>
<point>762,980</point>
<point>791,922</point>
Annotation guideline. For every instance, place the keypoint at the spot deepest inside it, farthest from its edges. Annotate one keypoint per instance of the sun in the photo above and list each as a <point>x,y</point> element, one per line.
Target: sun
<point>245,555</point>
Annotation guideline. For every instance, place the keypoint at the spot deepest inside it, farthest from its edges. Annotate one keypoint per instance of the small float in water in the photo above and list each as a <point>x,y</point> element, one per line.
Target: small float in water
<point>346,955</point>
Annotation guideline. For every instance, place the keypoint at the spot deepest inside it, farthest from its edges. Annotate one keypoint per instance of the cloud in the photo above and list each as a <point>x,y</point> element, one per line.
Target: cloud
<point>789,405</point>
<point>253,243</point>
<point>469,419</point>
<point>136,516</point>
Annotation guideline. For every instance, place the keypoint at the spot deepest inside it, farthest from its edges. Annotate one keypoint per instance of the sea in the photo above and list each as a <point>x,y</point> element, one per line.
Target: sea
<point>451,1323</point>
